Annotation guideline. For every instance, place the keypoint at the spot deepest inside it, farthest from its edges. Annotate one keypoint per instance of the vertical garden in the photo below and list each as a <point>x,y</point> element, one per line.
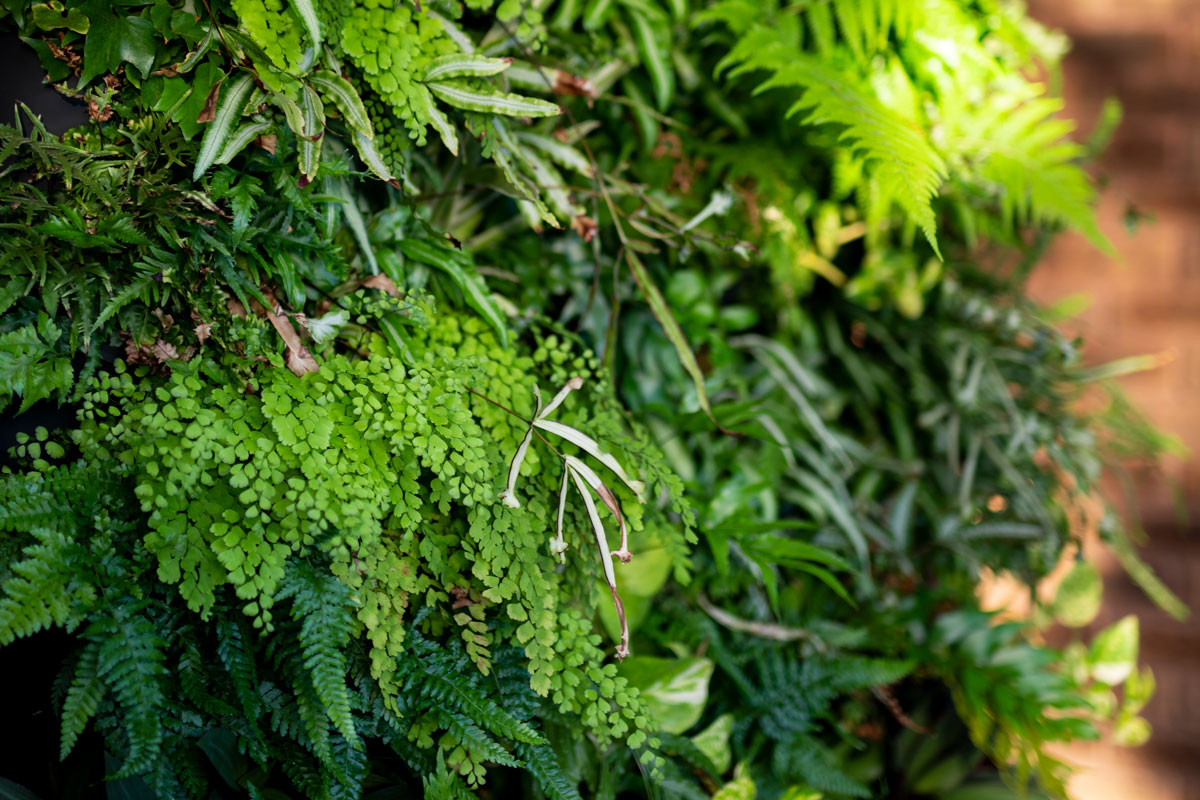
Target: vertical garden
<point>552,399</point>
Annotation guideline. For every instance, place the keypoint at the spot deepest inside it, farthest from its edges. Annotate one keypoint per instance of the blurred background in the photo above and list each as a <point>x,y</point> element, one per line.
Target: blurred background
<point>1147,54</point>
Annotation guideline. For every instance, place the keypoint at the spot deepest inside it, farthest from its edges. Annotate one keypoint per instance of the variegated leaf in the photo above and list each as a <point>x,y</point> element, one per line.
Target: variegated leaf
<point>562,154</point>
<point>246,134</point>
<point>425,106</point>
<point>309,144</point>
<point>312,23</point>
<point>223,127</point>
<point>459,65</point>
<point>346,98</point>
<point>469,98</point>
<point>371,157</point>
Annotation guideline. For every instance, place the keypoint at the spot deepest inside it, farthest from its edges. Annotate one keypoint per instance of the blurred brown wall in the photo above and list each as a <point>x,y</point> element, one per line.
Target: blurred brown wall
<point>1147,54</point>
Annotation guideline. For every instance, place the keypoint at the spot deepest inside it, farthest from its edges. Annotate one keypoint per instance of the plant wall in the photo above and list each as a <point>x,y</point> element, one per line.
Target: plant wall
<point>555,399</point>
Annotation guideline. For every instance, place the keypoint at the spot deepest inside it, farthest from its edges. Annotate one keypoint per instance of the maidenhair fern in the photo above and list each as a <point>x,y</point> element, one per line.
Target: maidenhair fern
<point>243,504</point>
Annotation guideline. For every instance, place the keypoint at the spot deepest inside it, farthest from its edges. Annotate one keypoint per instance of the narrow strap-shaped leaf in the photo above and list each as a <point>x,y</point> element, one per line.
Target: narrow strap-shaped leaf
<point>568,387</point>
<point>463,273</point>
<point>291,112</point>
<point>312,22</point>
<point>419,96</point>
<point>441,123</point>
<point>662,312</point>
<point>193,58</point>
<point>314,124</point>
<point>509,495</point>
<point>460,95</point>
<point>605,559</point>
<point>465,43</point>
<point>459,65</point>
<point>246,44</point>
<point>562,154</point>
<point>346,98</point>
<point>592,448</point>
<point>656,59</point>
<point>558,545</point>
<point>340,189</point>
<point>371,157</point>
<point>506,152</point>
<point>610,500</point>
<point>246,134</point>
<point>223,126</point>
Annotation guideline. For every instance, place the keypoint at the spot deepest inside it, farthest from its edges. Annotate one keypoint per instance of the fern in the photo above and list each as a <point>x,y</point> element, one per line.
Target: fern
<point>809,760</point>
<point>130,657</point>
<point>1021,149</point>
<point>83,697</point>
<point>320,604</point>
<point>906,167</point>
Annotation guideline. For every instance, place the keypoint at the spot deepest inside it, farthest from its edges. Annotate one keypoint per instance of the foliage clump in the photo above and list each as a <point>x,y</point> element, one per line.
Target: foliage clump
<point>353,433</point>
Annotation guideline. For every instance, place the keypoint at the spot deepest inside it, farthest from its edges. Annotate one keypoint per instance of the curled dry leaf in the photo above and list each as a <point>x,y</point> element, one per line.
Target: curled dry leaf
<point>299,359</point>
<point>203,331</point>
<point>605,494</point>
<point>566,83</point>
<point>383,283</point>
<point>267,142</point>
<point>164,351</point>
<point>209,112</point>
<point>592,448</point>
<point>558,545</point>
<point>509,495</point>
<point>568,387</point>
<point>610,574</point>
<point>585,226</point>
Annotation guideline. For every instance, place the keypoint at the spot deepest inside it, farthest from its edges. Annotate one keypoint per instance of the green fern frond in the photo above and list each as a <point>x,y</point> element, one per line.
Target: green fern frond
<point>811,761</point>
<point>857,672</point>
<point>1020,150</point>
<point>450,689</point>
<point>130,659</point>
<point>898,155</point>
<point>233,650</point>
<point>478,744</point>
<point>82,698</point>
<point>321,604</point>
<point>39,594</point>
<point>543,763</point>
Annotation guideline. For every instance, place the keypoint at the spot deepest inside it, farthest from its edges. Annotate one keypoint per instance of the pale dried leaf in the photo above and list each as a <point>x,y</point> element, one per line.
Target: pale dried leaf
<point>605,559</point>
<point>610,500</point>
<point>592,447</point>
